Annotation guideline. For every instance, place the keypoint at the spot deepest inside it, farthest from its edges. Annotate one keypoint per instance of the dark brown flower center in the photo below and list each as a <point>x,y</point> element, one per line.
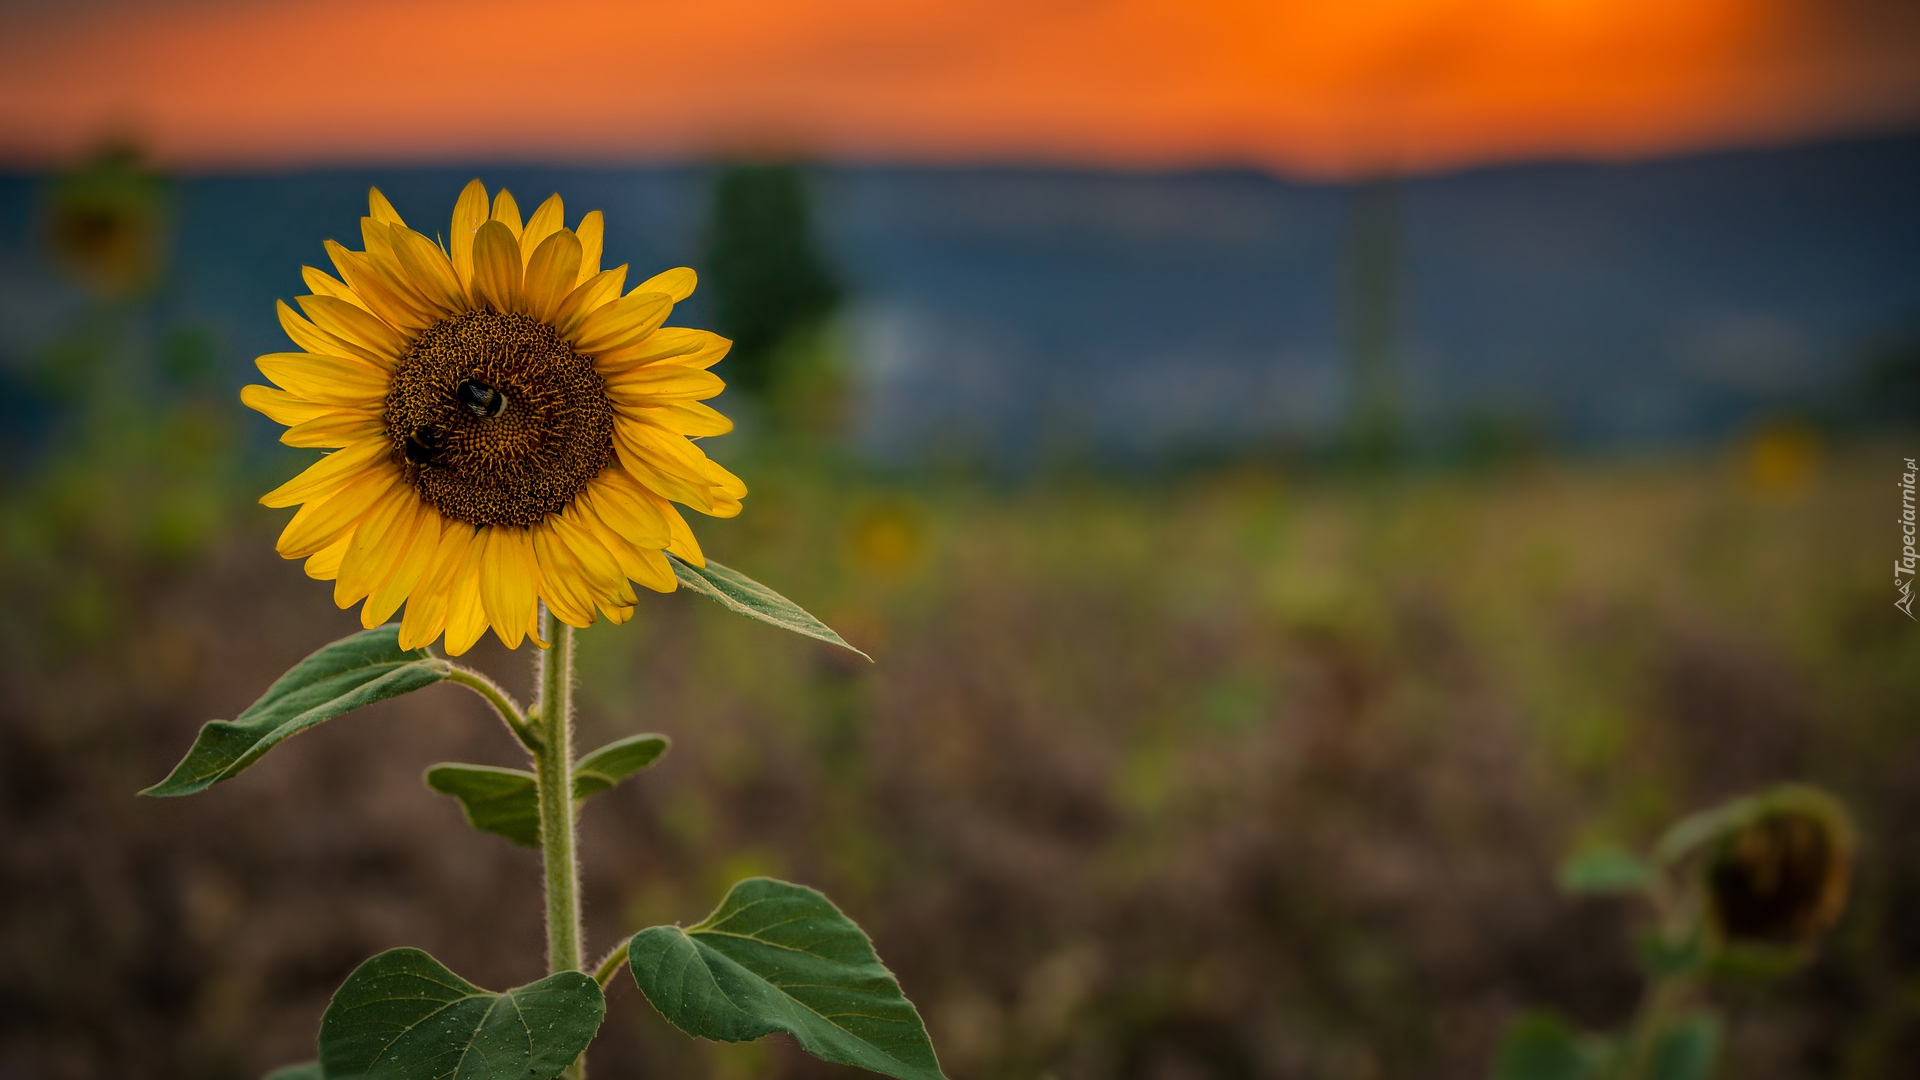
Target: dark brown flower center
<point>496,420</point>
<point>1772,883</point>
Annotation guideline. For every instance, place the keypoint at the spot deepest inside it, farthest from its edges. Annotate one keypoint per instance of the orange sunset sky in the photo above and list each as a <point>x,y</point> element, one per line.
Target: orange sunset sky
<point>1307,87</point>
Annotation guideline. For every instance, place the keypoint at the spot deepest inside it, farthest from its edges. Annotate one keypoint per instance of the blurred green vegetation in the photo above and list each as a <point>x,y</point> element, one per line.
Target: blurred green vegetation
<point>122,457</point>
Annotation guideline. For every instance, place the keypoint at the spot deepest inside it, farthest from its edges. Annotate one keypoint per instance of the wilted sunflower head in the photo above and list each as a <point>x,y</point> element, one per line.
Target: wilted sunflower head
<point>507,426</point>
<point>107,224</point>
<point>1773,869</point>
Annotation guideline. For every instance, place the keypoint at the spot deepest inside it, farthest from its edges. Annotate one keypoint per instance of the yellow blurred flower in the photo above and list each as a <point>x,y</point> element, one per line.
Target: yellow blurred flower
<point>506,425</point>
<point>1782,457</point>
<point>888,538</point>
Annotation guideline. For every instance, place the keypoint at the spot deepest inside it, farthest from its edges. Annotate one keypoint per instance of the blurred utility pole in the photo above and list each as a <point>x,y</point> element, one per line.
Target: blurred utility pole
<point>1371,293</point>
<point>773,285</point>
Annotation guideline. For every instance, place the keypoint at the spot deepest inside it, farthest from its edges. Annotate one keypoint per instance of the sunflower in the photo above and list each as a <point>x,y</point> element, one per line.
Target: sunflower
<point>507,426</point>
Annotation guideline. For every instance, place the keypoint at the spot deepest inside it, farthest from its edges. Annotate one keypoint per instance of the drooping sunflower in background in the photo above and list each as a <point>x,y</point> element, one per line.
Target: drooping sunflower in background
<point>506,425</point>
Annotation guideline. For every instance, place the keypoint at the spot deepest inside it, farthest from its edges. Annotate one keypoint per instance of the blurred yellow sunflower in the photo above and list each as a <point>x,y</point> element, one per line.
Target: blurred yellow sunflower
<point>507,426</point>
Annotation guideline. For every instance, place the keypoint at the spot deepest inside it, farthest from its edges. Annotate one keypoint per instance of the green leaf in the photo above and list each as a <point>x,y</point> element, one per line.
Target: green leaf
<point>306,1070</point>
<point>500,801</point>
<point>505,802</point>
<point>1604,870</point>
<point>403,1016</point>
<point>614,762</point>
<point>1542,1046</point>
<point>779,957</point>
<point>735,591</point>
<point>1686,1049</point>
<point>349,674</point>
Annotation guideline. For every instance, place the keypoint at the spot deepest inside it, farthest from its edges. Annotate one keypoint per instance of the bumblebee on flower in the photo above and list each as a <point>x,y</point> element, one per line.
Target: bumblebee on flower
<point>507,425</point>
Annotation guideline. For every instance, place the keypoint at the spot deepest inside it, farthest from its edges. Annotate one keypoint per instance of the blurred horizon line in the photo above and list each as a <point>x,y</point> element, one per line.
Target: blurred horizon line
<point>481,163</point>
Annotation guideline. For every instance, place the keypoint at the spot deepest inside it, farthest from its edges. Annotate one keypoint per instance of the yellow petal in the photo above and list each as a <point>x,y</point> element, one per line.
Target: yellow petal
<point>322,565</point>
<point>281,407</point>
<point>329,380</point>
<point>508,589</point>
<point>592,233</point>
<point>469,212</point>
<point>340,427</point>
<point>466,619</point>
<point>670,466</point>
<point>619,501</point>
<point>380,254</point>
<point>599,568</point>
<point>507,212</point>
<point>315,340</point>
<point>381,209</point>
<point>689,418</point>
<point>427,266</point>
<point>656,573</point>
<point>679,345</point>
<point>327,475</point>
<point>378,543</point>
<point>356,326</point>
<point>325,284</point>
<point>586,297</point>
<point>321,521</point>
<point>677,283</point>
<point>681,540</point>
<point>692,493</point>
<point>496,267</point>
<point>653,384</point>
<point>415,560</point>
<point>637,562</point>
<point>428,603</point>
<point>551,272</point>
<point>622,322</point>
<point>561,583</point>
<point>386,300</point>
<point>547,219</point>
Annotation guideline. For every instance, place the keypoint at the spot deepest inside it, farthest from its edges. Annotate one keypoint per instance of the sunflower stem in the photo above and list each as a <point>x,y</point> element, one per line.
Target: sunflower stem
<point>553,765</point>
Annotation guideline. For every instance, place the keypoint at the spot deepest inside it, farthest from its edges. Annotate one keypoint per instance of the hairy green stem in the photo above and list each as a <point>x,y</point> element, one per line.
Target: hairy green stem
<point>611,966</point>
<point>501,701</point>
<point>553,764</point>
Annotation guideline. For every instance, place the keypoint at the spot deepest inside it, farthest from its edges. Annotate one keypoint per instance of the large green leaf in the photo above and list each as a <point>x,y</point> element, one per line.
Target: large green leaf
<point>505,802</point>
<point>308,1070</point>
<point>1542,1046</point>
<point>736,591</point>
<point>349,674</point>
<point>403,1016</point>
<point>780,957</point>
<point>499,801</point>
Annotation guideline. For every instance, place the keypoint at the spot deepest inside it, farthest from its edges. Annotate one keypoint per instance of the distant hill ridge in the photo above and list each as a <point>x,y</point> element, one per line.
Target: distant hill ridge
<point>1138,313</point>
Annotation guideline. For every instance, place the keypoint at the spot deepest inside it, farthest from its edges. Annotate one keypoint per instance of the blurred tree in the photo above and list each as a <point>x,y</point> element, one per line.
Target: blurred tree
<point>773,286</point>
